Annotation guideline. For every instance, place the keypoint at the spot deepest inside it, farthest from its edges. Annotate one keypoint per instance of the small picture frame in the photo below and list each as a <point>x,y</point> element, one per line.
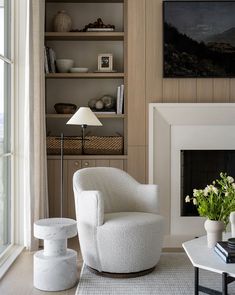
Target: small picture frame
<point>105,62</point>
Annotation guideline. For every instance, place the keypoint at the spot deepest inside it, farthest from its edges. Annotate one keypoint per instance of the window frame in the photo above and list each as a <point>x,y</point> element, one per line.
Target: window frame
<point>17,23</point>
<point>6,58</point>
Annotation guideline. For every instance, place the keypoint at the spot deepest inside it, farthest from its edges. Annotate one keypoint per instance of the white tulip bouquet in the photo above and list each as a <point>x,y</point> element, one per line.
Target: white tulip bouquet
<point>216,200</point>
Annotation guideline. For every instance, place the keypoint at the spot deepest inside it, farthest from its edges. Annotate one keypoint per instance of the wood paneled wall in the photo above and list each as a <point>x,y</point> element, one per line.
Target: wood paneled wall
<point>146,83</point>
<point>136,85</point>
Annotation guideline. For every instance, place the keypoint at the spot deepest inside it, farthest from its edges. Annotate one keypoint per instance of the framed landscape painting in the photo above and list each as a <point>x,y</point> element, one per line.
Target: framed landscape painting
<point>199,39</point>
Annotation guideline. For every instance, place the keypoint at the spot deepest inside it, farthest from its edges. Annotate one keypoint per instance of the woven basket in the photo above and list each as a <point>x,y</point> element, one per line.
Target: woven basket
<point>94,145</point>
<point>73,146</point>
<point>104,145</point>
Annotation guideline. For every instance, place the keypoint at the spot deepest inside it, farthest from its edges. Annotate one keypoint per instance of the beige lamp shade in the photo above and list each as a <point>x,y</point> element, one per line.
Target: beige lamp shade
<point>84,116</point>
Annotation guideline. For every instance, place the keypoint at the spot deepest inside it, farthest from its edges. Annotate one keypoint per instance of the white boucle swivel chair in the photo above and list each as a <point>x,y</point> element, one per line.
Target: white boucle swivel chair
<point>120,230</point>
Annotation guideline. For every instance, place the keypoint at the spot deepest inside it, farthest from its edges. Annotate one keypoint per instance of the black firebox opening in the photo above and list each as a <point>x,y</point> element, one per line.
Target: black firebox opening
<point>199,168</point>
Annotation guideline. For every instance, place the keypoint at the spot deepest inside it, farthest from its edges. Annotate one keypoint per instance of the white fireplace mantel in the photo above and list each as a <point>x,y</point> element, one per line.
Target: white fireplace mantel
<point>174,127</point>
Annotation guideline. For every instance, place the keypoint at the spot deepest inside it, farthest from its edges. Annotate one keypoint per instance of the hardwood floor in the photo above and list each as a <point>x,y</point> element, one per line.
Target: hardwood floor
<point>19,279</point>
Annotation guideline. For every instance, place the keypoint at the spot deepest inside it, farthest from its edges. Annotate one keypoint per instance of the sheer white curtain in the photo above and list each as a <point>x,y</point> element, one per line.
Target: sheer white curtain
<point>35,168</point>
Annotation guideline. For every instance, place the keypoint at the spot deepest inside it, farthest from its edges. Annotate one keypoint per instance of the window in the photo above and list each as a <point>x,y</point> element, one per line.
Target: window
<point>5,126</point>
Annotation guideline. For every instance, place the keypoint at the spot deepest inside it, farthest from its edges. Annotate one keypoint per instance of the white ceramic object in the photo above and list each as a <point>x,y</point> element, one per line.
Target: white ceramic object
<point>214,231</point>
<point>55,267</point>
<point>99,105</point>
<point>62,22</point>
<point>79,70</point>
<point>64,65</point>
<point>232,222</point>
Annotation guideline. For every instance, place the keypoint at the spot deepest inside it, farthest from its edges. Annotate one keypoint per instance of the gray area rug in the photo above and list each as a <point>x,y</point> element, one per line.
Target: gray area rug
<point>174,275</point>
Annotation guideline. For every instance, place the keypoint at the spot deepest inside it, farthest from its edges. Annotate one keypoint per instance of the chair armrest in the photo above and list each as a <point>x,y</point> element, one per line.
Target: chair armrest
<point>148,199</point>
<point>89,207</point>
<point>90,214</point>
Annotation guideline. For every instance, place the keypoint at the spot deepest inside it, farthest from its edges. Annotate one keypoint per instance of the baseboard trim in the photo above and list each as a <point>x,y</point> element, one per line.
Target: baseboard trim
<point>8,259</point>
<point>173,250</point>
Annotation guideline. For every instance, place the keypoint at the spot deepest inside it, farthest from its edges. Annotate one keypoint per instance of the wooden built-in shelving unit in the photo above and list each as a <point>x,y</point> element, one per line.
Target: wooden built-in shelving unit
<point>101,116</point>
<point>88,157</point>
<point>86,1</point>
<point>100,75</point>
<point>79,88</point>
<point>84,36</point>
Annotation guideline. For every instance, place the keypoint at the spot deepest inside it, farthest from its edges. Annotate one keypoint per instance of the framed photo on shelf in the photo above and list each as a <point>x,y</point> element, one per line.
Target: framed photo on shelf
<point>105,62</point>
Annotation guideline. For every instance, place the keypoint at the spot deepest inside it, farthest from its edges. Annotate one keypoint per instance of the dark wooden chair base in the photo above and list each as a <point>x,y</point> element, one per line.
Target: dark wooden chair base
<point>121,275</point>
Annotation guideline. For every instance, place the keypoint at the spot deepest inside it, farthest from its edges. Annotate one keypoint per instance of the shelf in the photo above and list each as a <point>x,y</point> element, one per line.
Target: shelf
<point>88,157</point>
<point>87,1</point>
<point>84,36</point>
<point>84,75</point>
<point>101,116</point>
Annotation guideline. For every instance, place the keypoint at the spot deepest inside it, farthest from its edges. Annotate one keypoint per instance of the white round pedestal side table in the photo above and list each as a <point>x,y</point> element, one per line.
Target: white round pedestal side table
<point>55,267</point>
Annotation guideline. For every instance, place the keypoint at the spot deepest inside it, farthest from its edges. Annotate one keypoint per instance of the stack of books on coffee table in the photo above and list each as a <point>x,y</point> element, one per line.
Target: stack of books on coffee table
<point>226,251</point>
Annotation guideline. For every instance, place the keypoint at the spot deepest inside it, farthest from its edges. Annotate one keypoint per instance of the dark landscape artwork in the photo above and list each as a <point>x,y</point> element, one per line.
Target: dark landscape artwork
<point>199,39</point>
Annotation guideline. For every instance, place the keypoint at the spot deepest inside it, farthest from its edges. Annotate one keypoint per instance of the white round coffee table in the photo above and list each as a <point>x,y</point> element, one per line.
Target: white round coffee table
<point>55,267</point>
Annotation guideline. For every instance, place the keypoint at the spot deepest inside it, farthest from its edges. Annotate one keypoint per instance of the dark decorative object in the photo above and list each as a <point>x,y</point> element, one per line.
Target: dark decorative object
<point>65,108</point>
<point>109,102</point>
<point>231,243</point>
<point>92,103</point>
<point>96,27</point>
<point>199,39</point>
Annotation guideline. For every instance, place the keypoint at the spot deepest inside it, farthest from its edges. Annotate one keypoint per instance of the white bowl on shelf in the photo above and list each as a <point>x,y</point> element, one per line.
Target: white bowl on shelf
<point>79,70</point>
<point>64,65</point>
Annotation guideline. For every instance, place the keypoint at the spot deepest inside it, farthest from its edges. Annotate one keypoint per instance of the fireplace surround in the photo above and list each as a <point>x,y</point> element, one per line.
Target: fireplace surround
<point>175,128</point>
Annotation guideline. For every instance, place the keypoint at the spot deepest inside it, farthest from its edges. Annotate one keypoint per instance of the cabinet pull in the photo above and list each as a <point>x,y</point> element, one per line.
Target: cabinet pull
<point>76,163</point>
<point>86,164</point>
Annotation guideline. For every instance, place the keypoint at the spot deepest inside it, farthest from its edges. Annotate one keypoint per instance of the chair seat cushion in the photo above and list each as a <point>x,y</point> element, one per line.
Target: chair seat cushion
<point>129,241</point>
<point>130,219</point>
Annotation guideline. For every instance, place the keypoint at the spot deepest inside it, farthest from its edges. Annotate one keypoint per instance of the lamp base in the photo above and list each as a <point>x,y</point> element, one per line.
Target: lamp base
<point>84,126</point>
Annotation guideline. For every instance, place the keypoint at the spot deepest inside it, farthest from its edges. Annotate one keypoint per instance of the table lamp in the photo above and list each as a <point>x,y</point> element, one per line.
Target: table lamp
<point>84,117</point>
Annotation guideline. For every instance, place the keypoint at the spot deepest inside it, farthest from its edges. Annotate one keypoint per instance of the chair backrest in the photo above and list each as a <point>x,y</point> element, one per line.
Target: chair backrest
<point>117,187</point>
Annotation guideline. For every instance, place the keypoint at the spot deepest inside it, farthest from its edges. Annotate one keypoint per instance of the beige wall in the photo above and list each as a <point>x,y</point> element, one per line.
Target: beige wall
<point>146,84</point>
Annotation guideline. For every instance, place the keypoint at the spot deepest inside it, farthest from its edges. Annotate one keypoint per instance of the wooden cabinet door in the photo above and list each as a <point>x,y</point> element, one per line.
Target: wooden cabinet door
<point>72,167</point>
<point>88,163</point>
<point>110,163</point>
<point>102,163</point>
<point>54,187</point>
<point>117,164</point>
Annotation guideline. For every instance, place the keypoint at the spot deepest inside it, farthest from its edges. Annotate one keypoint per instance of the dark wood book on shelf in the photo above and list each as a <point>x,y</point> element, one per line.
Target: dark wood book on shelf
<point>223,247</point>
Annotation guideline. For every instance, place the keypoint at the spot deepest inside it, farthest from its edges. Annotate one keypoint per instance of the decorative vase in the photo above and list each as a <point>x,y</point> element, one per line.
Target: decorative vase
<point>214,231</point>
<point>62,22</point>
<point>232,221</point>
